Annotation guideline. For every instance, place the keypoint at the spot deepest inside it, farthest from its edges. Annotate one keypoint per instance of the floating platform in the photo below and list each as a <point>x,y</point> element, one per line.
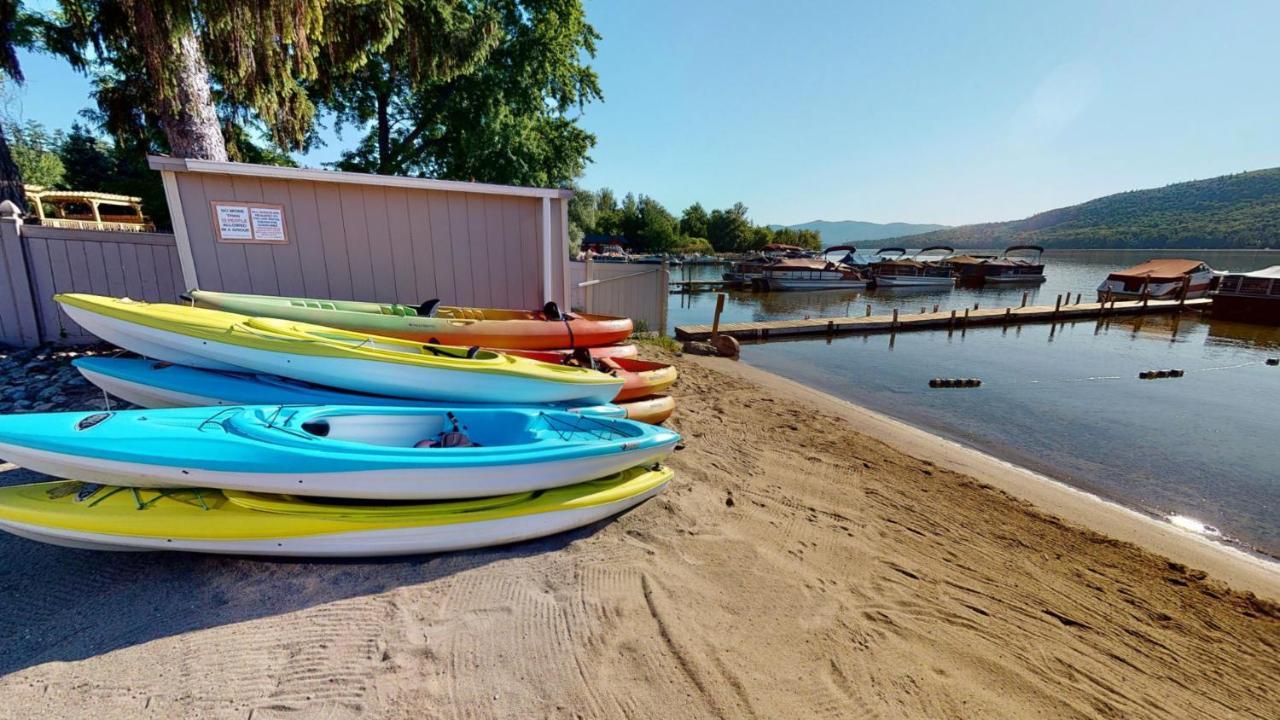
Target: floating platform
<point>944,319</point>
<point>692,286</point>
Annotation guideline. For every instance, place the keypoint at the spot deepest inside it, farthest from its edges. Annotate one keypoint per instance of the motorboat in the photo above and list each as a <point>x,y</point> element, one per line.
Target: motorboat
<point>811,274</point>
<point>1159,279</point>
<point>1252,297</point>
<point>1012,269</point>
<point>901,271</point>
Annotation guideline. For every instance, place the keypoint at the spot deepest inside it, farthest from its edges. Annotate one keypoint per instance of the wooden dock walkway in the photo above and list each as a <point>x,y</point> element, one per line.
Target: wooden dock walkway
<point>691,286</point>
<point>956,319</point>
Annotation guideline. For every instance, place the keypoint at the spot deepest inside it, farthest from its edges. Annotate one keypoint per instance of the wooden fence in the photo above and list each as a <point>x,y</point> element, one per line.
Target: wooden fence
<point>39,262</point>
<point>631,290</point>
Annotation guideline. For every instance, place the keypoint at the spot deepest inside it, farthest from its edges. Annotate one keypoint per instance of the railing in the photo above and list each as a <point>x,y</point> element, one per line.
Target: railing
<point>635,291</point>
<point>105,225</point>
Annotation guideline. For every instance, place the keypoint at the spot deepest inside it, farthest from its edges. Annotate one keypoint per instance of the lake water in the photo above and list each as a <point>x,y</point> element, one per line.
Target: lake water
<point>1064,400</point>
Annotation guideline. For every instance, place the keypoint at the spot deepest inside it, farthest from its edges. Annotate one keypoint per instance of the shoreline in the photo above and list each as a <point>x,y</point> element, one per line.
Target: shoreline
<point>1236,567</point>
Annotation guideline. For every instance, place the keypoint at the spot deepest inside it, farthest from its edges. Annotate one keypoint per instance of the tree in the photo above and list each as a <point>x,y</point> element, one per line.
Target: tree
<point>194,66</point>
<point>693,221</point>
<point>582,217</point>
<point>729,230</point>
<point>498,111</point>
<point>35,152</point>
<point>657,227</point>
<point>88,161</point>
<point>11,32</point>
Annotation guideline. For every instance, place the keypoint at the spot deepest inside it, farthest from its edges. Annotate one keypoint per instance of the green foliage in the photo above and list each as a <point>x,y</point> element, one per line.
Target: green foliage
<point>729,230</point>
<point>808,239</point>
<point>694,221</point>
<point>649,227</point>
<point>1232,211</point>
<point>493,106</point>
<point>35,151</point>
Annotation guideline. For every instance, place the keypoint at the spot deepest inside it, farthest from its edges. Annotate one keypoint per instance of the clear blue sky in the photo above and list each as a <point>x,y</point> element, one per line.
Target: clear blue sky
<point>914,111</point>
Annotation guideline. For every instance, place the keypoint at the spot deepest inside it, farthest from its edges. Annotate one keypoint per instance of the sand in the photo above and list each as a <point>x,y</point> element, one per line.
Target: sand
<point>796,568</point>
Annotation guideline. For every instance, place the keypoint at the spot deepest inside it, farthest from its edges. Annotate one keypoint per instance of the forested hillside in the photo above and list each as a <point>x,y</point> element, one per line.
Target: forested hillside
<point>1232,211</point>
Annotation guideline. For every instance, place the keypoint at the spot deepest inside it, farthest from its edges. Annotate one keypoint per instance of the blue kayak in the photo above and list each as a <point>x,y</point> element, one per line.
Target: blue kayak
<point>334,451</point>
<point>153,384</point>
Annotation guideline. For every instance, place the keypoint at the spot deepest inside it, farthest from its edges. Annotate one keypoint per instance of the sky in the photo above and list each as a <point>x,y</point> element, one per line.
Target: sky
<point>913,111</point>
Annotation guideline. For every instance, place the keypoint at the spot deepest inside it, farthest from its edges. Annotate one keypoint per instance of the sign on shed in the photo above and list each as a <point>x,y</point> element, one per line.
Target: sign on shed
<point>238,222</point>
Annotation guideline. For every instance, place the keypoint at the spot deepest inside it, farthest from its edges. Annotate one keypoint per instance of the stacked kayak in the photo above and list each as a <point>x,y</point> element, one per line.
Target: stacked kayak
<point>334,451</point>
<point>159,384</point>
<point>81,515</point>
<point>545,329</point>
<point>371,364</point>
<point>272,435</point>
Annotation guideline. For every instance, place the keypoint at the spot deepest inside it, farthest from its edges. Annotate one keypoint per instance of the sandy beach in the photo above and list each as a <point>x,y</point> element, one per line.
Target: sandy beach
<point>811,559</point>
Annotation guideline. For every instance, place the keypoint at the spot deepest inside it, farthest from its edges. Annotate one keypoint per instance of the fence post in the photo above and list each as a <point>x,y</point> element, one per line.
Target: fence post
<point>588,274</point>
<point>25,329</point>
<point>715,322</point>
<point>664,280</point>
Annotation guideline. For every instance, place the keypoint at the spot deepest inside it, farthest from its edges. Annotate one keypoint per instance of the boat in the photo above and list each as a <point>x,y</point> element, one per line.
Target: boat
<point>1158,279</point>
<point>969,269</point>
<point>545,329</point>
<point>603,351</point>
<point>807,274</point>
<point>217,340</point>
<point>750,268</point>
<point>1252,297</point>
<point>383,453</point>
<point>102,517</point>
<point>901,271</point>
<point>157,384</point>
<point>1012,269</point>
<point>640,378</point>
<point>654,409</point>
<point>610,254</point>
<point>656,260</point>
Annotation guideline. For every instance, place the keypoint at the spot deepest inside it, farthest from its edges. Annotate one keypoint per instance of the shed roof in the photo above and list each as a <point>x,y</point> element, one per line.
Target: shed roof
<point>172,164</point>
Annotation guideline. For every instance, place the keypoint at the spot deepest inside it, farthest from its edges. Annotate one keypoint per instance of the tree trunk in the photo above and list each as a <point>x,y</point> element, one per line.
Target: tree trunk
<point>176,66</point>
<point>384,131</point>
<point>189,119</point>
<point>10,177</point>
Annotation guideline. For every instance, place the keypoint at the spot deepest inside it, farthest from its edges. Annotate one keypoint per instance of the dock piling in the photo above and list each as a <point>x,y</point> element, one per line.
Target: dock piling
<point>1024,298</point>
<point>715,323</point>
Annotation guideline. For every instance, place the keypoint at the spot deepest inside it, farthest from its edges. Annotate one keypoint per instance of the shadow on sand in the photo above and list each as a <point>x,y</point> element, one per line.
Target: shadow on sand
<point>61,604</point>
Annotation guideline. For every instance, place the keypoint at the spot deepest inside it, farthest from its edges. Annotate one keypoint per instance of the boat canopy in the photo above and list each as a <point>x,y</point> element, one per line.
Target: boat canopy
<point>837,248</point>
<point>1167,269</point>
<point>900,251</point>
<point>935,248</point>
<point>969,259</point>
<point>1272,273</point>
<point>781,247</point>
<point>1028,248</point>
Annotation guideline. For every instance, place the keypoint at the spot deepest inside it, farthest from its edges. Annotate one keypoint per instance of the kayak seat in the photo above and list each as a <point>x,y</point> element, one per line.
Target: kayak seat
<point>448,440</point>
<point>551,311</point>
<point>428,308</point>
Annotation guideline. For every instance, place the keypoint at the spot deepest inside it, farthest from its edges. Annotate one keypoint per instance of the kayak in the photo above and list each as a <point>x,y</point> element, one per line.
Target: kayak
<point>604,351</point>
<point>384,453</point>
<point>653,410</point>
<point>103,517</point>
<point>431,322</point>
<point>640,378</point>
<point>217,340</point>
<point>157,384</point>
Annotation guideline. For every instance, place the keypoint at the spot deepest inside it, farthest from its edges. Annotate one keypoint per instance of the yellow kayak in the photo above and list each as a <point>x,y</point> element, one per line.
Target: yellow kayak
<point>218,340</point>
<point>106,517</point>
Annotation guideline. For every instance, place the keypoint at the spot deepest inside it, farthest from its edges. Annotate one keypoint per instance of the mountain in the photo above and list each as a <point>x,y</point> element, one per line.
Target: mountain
<point>1232,211</point>
<point>852,232</point>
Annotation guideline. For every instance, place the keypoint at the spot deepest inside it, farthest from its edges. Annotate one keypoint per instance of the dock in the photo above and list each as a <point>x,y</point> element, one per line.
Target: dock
<point>692,286</point>
<point>945,319</point>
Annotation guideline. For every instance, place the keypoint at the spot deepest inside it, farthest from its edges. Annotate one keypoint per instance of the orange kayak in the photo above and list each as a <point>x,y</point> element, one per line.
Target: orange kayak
<point>603,351</point>
<point>653,409</point>
<point>547,328</point>
<point>640,378</point>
